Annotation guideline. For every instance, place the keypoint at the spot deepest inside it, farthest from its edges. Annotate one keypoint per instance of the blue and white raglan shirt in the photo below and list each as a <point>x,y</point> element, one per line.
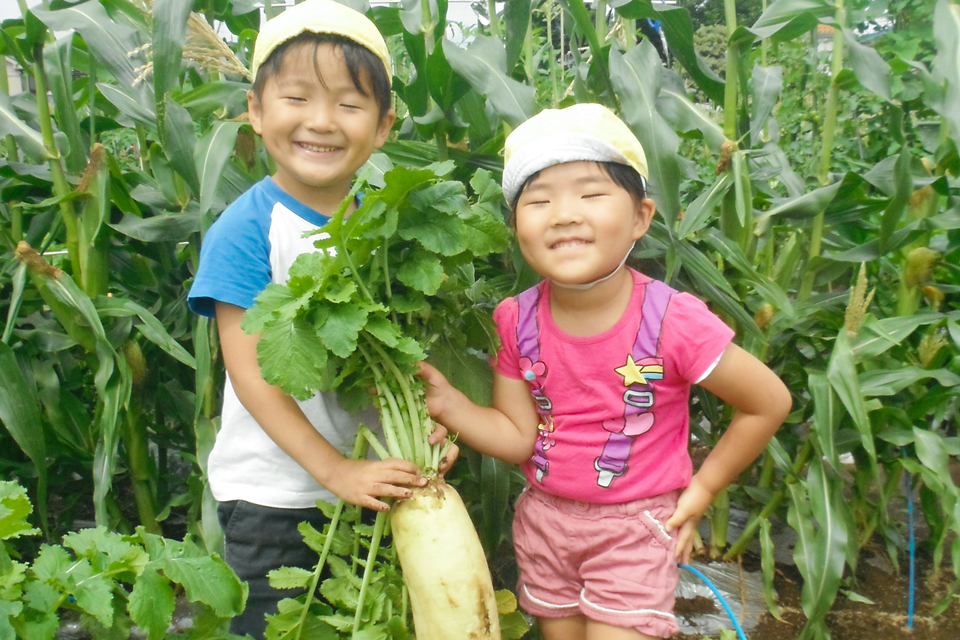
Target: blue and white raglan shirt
<point>252,244</point>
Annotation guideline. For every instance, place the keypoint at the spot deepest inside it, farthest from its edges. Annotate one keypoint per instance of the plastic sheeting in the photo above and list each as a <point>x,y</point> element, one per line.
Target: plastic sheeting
<point>743,591</point>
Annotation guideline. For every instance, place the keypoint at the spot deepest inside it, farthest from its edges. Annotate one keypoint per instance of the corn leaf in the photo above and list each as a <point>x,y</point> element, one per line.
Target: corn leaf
<point>211,155</point>
<point>678,28</point>
<point>826,417</point>
<point>767,86</point>
<point>140,112</point>
<point>768,567</point>
<point>26,136</point>
<point>697,215</point>
<point>889,382</point>
<point>819,553</point>
<point>636,77</point>
<point>57,64</point>
<point>173,226</point>
<point>151,328</point>
<point>683,115</point>
<point>871,69</point>
<point>110,42</point>
<point>946,64</point>
<point>494,502</point>
<point>19,411</point>
<point>879,336</point>
<point>842,375</point>
<point>483,66</point>
<point>169,32</point>
<point>179,143</point>
<point>769,291</point>
<point>786,19</point>
<point>516,18</point>
<point>892,215</point>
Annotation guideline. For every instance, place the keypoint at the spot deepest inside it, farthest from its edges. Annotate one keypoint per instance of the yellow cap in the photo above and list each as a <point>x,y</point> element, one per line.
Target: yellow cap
<point>555,136</point>
<point>319,16</point>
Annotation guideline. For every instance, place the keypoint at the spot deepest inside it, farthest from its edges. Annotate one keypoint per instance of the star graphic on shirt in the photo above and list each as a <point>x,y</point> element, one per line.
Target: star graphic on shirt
<point>631,372</point>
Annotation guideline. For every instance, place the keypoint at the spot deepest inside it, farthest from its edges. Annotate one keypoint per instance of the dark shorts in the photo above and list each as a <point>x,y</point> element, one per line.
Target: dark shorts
<point>258,540</point>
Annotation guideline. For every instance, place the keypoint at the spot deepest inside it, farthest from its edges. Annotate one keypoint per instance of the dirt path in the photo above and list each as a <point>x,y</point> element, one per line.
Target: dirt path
<point>886,619</point>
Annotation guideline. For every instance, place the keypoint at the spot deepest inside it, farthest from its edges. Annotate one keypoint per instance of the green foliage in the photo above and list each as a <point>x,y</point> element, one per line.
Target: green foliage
<point>111,581</point>
<point>832,153</point>
<point>390,280</point>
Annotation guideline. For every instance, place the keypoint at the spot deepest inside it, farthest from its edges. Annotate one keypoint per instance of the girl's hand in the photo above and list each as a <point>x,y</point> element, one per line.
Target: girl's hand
<point>439,392</point>
<point>691,506</point>
<point>362,482</point>
<point>439,435</point>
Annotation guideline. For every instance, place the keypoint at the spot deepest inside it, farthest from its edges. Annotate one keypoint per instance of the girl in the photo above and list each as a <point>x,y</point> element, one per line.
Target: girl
<point>591,389</point>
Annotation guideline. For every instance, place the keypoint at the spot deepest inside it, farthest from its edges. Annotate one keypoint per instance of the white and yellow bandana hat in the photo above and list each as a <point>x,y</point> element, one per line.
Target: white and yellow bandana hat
<point>319,16</point>
<point>554,136</point>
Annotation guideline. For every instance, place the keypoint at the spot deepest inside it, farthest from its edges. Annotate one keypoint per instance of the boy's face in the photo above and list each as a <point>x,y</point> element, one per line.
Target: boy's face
<point>317,135</point>
<point>575,225</point>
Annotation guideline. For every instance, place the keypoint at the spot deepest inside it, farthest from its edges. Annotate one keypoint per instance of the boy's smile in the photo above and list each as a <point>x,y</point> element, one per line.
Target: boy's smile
<point>575,224</point>
<point>319,133</point>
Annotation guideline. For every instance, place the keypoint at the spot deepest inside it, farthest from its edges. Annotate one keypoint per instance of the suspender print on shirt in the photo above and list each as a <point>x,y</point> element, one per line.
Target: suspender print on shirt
<point>641,367</point>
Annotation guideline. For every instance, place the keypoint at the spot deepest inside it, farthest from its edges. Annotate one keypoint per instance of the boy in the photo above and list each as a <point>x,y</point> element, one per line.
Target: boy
<point>321,103</point>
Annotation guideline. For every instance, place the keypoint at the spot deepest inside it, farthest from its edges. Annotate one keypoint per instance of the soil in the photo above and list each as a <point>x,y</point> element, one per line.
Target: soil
<point>886,619</point>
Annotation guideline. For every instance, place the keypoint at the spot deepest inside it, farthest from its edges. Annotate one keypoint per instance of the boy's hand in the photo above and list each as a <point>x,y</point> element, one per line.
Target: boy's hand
<point>361,482</point>
<point>691,506</point>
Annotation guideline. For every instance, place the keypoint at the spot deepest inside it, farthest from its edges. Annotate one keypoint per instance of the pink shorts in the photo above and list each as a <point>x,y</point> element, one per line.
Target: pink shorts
<point>613,563</point>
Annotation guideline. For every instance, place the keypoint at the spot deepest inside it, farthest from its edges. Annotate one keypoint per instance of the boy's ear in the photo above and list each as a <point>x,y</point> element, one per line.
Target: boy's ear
<point>253,111</point>
<point>384,127</point>
<point>646,208</point>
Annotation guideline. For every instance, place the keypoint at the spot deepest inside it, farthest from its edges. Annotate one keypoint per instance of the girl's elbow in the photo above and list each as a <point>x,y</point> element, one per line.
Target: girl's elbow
<point>523,451</point>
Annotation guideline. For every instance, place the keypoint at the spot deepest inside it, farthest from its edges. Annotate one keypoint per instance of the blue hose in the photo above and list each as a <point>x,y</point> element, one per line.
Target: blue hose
<point>908,493</point>
<point>716,592</point>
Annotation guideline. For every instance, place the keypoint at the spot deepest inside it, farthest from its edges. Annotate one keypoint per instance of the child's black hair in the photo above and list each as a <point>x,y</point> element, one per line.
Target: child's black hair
<point>623,175</point>
<point>359,61</point>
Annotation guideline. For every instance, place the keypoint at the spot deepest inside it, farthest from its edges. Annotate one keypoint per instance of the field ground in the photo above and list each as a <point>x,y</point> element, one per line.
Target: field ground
<point>885,619</point>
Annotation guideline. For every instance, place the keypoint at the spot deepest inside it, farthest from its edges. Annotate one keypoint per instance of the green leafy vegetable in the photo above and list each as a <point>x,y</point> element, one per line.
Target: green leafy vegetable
<point>388,280</point>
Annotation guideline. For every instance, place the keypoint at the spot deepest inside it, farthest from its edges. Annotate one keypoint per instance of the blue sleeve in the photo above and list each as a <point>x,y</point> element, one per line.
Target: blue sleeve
<point>235,256</point>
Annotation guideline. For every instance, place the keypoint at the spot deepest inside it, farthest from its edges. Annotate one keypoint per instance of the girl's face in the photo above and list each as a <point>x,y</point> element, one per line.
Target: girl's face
<point>575,225</point>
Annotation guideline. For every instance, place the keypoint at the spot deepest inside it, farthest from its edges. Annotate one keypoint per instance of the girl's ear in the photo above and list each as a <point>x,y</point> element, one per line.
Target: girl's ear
<point>644,212</point>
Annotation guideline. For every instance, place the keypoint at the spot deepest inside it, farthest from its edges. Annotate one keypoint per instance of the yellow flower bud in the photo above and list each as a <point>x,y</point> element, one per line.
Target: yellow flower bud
<point>929,347</point>
<point>763,316</point>
<point>136,361</point>
<point>919,267</point>
<point>726,152</point>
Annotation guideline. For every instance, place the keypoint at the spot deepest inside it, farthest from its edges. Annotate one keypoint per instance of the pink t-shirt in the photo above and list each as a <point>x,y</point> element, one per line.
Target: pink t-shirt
<point>620,424</point>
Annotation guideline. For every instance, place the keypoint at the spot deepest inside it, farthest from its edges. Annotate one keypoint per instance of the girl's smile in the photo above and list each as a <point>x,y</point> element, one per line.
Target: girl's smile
<point>575,224</point>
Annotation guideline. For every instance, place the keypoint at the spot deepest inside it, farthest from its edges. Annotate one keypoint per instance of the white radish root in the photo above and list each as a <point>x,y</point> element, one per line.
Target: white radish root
<point>444,568</point>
